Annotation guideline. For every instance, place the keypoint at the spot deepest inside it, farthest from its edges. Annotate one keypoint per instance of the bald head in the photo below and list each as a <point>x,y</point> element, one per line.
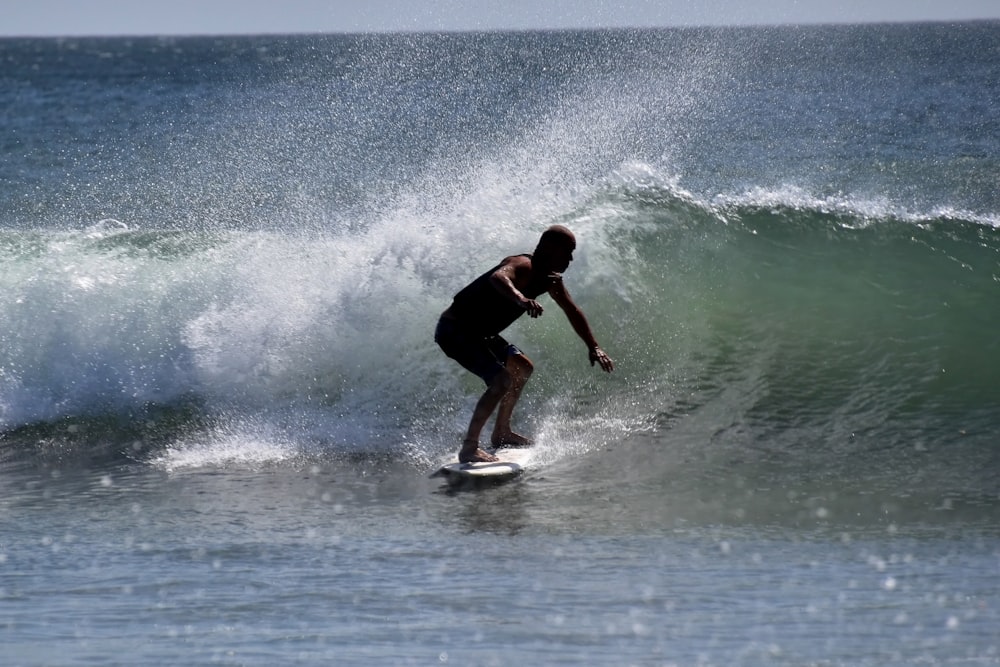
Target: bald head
<point>556,236</point>
<point>555,249</point>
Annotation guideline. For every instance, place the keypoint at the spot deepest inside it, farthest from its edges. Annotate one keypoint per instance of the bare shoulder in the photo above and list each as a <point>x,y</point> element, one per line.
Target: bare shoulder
<point>517,262</point>
<point>516,267</point>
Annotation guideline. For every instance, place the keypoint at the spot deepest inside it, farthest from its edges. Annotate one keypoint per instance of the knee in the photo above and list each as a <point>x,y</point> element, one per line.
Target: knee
<point>520,366</point>
<point>502,381</point>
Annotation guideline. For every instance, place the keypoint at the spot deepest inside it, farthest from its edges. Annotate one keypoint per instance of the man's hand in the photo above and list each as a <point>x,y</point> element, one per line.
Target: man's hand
<point>597,355</point>
<point>532,307</point>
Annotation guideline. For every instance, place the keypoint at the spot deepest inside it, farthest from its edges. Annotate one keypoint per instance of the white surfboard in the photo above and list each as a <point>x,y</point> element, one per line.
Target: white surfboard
<point>511,464</point>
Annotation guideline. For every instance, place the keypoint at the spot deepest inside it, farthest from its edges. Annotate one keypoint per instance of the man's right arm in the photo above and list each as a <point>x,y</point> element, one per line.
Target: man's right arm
<point>503,281</point>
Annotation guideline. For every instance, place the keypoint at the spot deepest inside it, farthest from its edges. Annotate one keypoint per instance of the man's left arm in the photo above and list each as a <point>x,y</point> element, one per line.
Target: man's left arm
<point>579,322</point>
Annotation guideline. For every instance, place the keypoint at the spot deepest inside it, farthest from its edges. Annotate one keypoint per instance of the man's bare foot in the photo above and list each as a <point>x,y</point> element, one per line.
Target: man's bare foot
<point>509,439</point>
<point>471,453</point>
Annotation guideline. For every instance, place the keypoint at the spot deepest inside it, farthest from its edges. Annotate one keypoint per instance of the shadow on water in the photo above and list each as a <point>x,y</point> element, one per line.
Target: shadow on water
<point>485,506</point>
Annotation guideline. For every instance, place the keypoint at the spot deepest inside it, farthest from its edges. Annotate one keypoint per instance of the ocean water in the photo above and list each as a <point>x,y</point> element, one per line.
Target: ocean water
<point>221,263</point>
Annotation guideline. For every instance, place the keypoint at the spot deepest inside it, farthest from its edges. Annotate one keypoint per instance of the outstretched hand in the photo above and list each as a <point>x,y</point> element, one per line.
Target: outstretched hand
<point>597,355</point>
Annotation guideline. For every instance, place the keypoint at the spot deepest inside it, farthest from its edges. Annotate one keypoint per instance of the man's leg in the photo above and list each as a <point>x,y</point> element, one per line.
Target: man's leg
<point>498,388</point>
<point>520,369</point>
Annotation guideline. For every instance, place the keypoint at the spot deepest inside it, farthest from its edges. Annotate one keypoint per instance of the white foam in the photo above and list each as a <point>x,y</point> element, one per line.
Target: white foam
<point>229,448</point>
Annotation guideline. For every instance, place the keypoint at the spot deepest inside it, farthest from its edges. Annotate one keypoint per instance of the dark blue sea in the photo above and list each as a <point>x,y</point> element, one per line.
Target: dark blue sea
<point>221,264</point>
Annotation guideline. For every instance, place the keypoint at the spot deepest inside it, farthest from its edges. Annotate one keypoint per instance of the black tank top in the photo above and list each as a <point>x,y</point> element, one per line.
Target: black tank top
<point>483,310</point>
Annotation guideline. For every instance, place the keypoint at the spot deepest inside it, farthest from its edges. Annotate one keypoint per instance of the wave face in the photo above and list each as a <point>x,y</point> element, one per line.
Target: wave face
<point>784,328</point>
<point>238,248</point>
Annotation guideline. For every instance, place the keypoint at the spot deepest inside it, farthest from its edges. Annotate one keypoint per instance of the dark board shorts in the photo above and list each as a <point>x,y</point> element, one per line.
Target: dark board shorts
<point>482,356</point>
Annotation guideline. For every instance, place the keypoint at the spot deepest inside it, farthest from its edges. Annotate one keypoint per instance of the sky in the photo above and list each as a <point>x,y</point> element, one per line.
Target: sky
<point>214,17</point>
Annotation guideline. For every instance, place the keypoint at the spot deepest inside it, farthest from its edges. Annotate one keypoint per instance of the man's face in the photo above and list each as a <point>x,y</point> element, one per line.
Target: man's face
<point>562,255</point>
